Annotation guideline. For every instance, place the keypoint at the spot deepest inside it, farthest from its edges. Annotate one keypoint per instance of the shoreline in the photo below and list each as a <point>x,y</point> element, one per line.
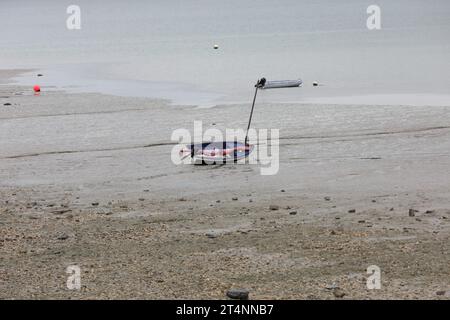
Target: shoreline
<point>7,75</point>
<point>190,95</point>
<point>140,227</point>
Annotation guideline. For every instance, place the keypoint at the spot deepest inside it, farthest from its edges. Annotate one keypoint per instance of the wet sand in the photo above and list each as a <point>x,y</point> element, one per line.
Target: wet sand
<point>87,180</point>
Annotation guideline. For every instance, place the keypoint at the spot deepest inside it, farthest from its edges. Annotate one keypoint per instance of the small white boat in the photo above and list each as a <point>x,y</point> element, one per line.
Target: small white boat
<point>282,84</point>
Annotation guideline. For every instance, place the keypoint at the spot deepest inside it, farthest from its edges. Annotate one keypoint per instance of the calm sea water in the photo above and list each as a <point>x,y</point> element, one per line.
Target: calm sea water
<point>164,48</point>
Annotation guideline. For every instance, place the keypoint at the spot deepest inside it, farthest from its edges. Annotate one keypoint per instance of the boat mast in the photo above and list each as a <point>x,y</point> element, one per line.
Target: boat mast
<point>258,85</point>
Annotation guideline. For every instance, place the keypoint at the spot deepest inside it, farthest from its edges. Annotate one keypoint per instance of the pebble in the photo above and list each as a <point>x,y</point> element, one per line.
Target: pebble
<point>274,207</point>
<point>282,190</point>
<point>211,235</point>
<point>62,237</point>
<point>327,198</point>
<point>333,286</point>
<point>58,212</point>
<point>238,294</point>
<point>338,293</point>
<point>429,211</point>
<point>234,199</point>
<point>351,211</point>
<point>141,199</point>
<point>7,104</point>
<point>94,204</point>
<point>412,212</point>
<point>293,213</point>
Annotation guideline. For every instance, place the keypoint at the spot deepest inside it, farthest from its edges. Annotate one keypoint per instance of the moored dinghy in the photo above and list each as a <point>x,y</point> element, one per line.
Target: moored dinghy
<point>282,84</point>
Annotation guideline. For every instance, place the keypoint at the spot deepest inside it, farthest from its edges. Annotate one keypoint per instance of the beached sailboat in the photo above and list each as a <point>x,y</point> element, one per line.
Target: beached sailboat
<point>232,151</point>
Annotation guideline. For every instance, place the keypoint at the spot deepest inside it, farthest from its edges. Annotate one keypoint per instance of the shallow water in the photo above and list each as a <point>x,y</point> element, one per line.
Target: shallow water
<point>165,49</point>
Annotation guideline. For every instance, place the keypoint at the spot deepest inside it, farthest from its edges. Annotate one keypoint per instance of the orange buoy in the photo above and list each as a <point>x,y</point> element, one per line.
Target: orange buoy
<point>37,88</point>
